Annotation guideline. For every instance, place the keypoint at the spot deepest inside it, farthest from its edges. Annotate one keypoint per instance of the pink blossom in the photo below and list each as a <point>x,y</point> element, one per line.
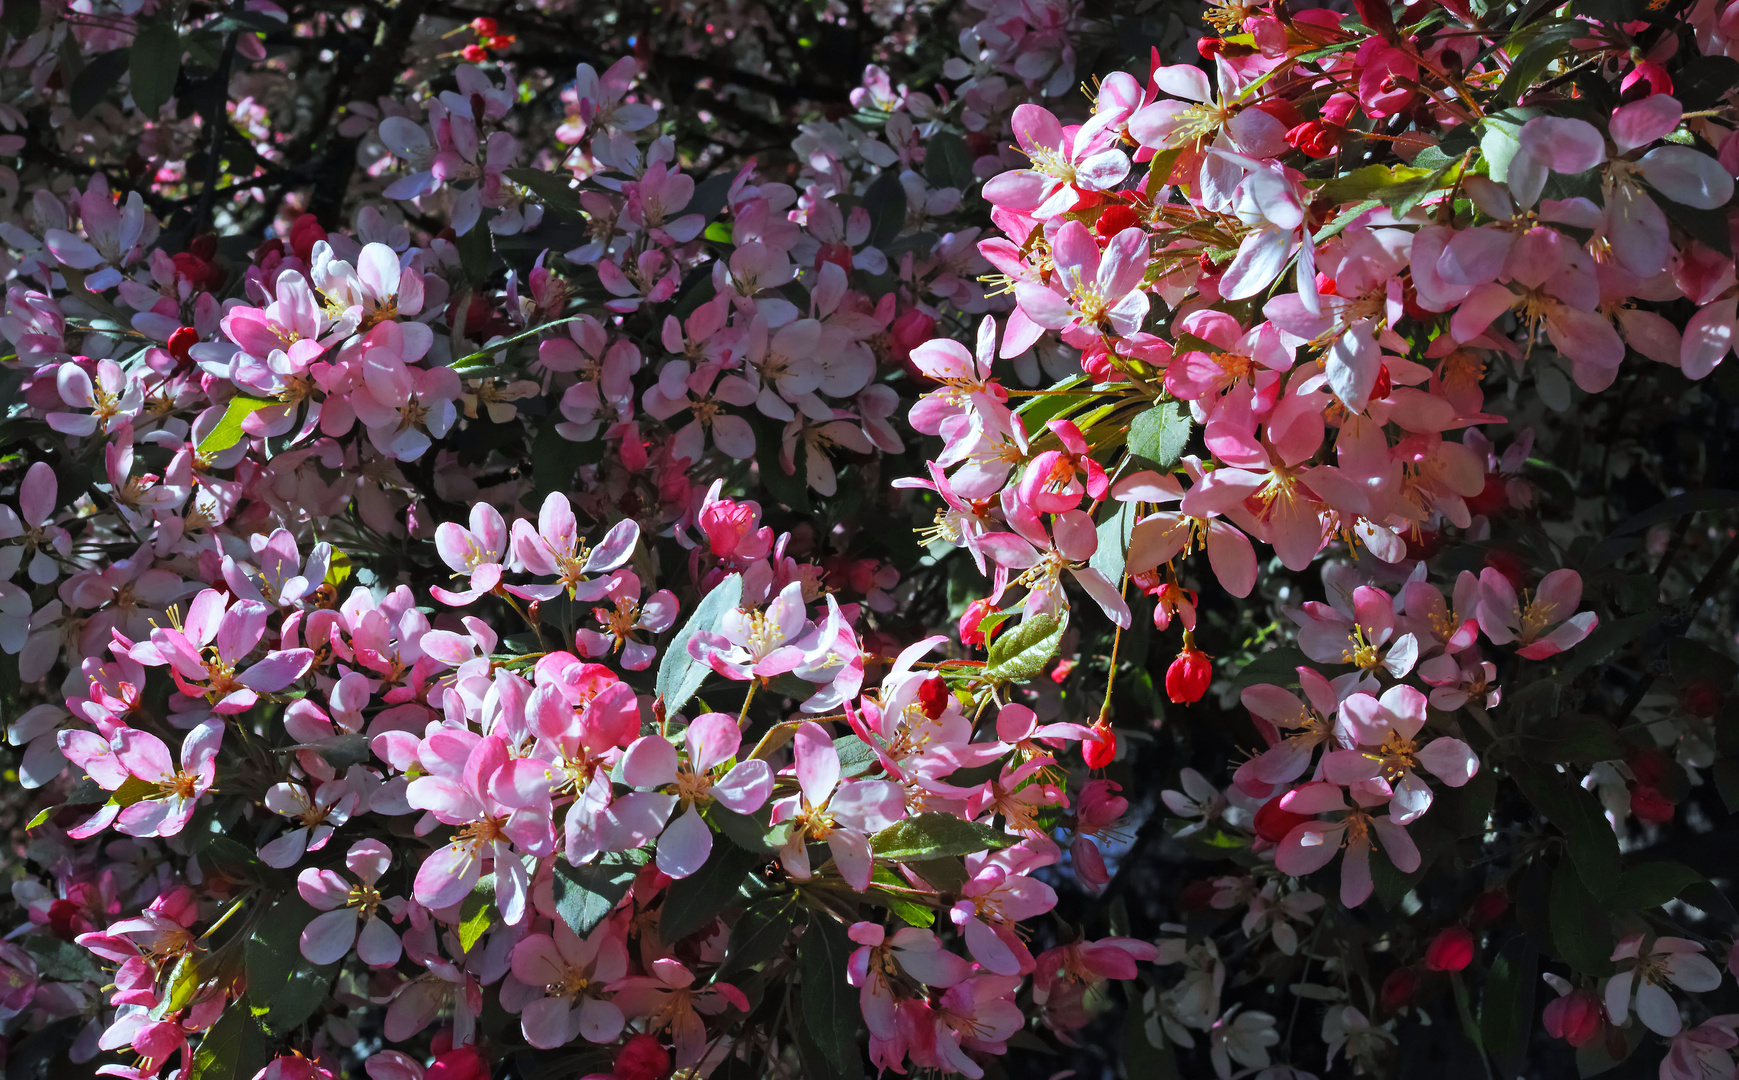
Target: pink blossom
<point>1312,845</point>
<point>1065,164</point>
<point>844,815</point>
<point>1504,618</point>
<point>332,934</point>
<point>573,973</point>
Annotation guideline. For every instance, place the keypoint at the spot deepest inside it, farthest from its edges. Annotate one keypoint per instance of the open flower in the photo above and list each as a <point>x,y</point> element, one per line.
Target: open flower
<point>843,815</point>
<point>351,914</point>
<point>1544,625</point>
<point>1312,845</point>
<point>1669,961</point>
<point>1388,755</point>
<point>652,762</point>
<point>573,973</point>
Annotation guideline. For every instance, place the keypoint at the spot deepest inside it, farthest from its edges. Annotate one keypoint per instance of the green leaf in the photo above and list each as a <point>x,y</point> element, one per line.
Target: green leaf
<point>552,189</point>
<point>340,751</point>
<point>1581,929</point>
<point>472,360</point>
<point>228,431</point>
<point>1278,666</point>
<point>747,831</point>
<point>830,1008</point>
<point>934,836</point>
<point>1689,502</point>
<point>948,161</point>
<point>1577,813</point>
<point>1545,43</point>
<point>61,961</point>
<point>21,18</point>
<point>1020,654</point>
<point>477,914</point>
<point>1160,434</point>
<point>710,196</point>
<point>234,1048</point>
<point>584,895</point>
<point>228,858</point>
<point>1464,1012</point>
<point>758,935</point>
<point>1727,783</point>
<point>943,875</point>
<point>96,79</point>
<point>1114,534</point>
<point>718,232</point>
<point>133,790</point>
<point>902,906</point>
<point>1692,661</point>
<point>885,202</point>
<point>154,62</point>
<point>1507,1009</point>
<point>679,674</point>
<point>1367,182</point>
<point>1647,886</point>
<point>283,988</point>
<point>1572,738</point>
<point>695,900</point>
<point>855,756</point>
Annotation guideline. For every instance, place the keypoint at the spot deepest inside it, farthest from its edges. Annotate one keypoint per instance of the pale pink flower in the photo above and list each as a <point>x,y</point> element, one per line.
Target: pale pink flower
<point>1387,755</point>
<point>1525,621</point>
<point>1313,844</point>
<point>1065,163</point>
<point>693,784</point>
<point>844,815</point>
<point>573,974</point>
<point>1645,976</point>
<point>351,914</point>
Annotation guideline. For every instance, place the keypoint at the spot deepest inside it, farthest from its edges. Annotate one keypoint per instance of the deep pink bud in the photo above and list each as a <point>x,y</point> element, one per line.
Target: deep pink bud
<point>460,1063</point>
<point>1188,677</point>
<point>642,1057</point>
<point>1576,1018</point>
<point>1451,950</point>
<point>1398,989</point>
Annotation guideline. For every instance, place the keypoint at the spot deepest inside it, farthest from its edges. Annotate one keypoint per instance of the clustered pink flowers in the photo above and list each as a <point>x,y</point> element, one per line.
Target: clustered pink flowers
<point>495,617</point>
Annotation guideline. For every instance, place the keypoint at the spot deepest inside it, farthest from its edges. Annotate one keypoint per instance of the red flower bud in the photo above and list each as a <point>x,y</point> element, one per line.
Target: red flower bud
<point>1648,766</point>
<point>1510,565</point>
<point>1451,950</point>
<point>484,26</point>
<point>1701,699</point>
<point>1273,821</point>
<point>1188,677</point>
<point>1493,498</point>
<point>1100,748</point>
<point>460,1063</point>
<point>933,695</point>
<point>474,54</point>
<point>911,329</point>
<point>1649,805</point>
<point>1577,1018</point>
<point>642,1057</point>
<point>1489,907</point>
<point>304,234</point>
<point>183,339</point>
<point>970,620</point>
<point>1198,895</point>
<point>1114,219</point>
<point>1315,138</point>
<point>1398,989</point>
<point>1384,386</point>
